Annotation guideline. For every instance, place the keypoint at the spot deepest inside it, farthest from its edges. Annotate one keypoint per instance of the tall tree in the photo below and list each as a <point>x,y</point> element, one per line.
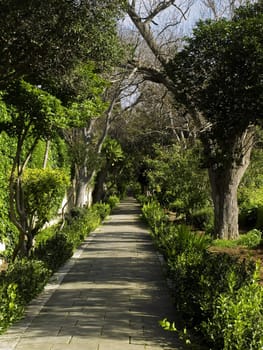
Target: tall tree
<point>33,115</point>
<point>219,73</point>
<point>227,66</point>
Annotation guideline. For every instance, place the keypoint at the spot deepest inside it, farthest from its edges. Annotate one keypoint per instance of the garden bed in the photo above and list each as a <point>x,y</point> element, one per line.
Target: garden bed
<point>243,253</point>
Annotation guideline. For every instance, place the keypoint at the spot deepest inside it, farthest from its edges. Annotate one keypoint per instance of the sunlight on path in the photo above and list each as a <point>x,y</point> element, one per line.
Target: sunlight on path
<point>112,295</point>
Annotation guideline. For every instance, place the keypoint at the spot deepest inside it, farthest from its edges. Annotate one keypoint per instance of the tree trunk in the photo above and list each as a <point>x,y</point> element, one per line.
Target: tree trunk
<point>224,182</point>
<point>84,184</point>
<point>46,154</point>
<point>98,189</point>
<point>81,194</point>
<point>224,186</point>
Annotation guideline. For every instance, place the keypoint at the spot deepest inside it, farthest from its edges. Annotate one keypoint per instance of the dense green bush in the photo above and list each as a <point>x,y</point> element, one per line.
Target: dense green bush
<point>176,179</point>
<point>155,217</point>
<point>11,308</point>
<point>102,209</point>
<point>237,319</point>
<point>82,225</point>
<point>30,277</point>
<point>80,222</point>
<point>44,190</point>
<point>8,232</point>
<point>251,239</point>
<point>199,277</point>
<point>209,288</point>
<point>171,239</point>
<point>251,217</point>
<point>113,201</point>
<point>23,280</point>
<point>203,219</point>
<point>55,251</point>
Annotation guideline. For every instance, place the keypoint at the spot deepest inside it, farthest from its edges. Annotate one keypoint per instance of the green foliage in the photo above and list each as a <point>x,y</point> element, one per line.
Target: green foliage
<point>7,231</point>
<point>30,277</point>
<point>209,73</point>
<point>54,251</point>
<point>176,179</point>
<point>44,190</point>
<point>112,150</point>
<point>208,287</point>
<point>172,239</point>
<point>251,239</point>
<point>58,156</point>
<point>186,240</point>
<point>83,221</point>
<point>80,222</point>
<point>113,201</point>
<point>10,307</point>
<point>31,106</point>
<point>45,234</point>
<point>23,280</point>
<point>199,278</point>
<point>43,40</point>
<point>102,209</point>
<point>155,217</point>
<point>237,319</point>
<point>108,181</point>
<point>203,219</point>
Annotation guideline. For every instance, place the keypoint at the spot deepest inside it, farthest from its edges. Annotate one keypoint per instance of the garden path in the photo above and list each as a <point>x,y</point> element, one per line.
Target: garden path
<point>109,296</point>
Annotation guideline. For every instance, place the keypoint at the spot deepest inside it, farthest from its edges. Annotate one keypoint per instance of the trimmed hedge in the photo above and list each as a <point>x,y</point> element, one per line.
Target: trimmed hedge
<point>218,297</point>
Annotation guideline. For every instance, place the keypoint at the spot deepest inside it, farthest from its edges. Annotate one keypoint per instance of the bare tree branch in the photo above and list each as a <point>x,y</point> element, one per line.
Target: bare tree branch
<point>163,5</point>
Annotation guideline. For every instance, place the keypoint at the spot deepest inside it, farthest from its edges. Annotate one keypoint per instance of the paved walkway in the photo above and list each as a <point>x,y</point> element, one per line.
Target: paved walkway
<point>110,296</point>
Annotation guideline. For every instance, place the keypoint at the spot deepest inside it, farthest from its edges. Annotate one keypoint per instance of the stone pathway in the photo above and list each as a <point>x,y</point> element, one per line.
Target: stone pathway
<point>110,295</point>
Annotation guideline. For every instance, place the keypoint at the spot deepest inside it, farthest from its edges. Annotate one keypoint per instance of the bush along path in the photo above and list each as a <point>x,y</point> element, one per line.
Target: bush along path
<point>24,279</point>
<point>218,296</point>
<point>112,295</point>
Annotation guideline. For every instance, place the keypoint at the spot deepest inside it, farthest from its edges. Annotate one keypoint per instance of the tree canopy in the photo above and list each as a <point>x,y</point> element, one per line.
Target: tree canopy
<point>219,72</point>
<point>41,39</point>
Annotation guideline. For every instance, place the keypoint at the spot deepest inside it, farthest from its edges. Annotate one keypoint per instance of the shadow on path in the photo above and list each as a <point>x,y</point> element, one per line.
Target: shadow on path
<point>112,297</point>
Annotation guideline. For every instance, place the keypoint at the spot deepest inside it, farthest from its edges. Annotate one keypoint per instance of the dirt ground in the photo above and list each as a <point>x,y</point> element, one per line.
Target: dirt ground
<point>244,253</point>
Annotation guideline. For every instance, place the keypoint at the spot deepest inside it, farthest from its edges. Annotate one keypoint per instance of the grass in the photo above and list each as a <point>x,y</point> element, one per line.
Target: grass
<point>251,239</point>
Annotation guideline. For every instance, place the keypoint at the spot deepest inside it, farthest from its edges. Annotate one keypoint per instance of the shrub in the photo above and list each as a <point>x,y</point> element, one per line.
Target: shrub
<point>155,217</point>
<point>237,320</point>
<point>200,276</point>
<point>143,199</point>
<point>55,251</point>
<point>11,308</point>
<point>102,209</point>
<point>23,280</point>
<point>207,286</point>
<point>251,239</point>
<point>203,218</point>
<point>75,213</point>
<point>80,223</point>
<point>30,276</point>
<point>43,191</point>
<point>113,201</point>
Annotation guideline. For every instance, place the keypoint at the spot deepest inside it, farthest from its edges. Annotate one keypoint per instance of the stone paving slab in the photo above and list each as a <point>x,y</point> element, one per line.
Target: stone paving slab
<point>109,296</point>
